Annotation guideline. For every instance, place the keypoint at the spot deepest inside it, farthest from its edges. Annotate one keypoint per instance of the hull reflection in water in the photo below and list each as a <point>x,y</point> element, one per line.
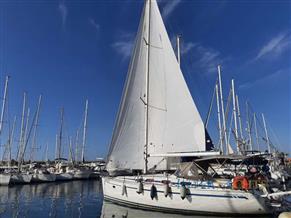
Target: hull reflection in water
<point>110,210</point>
<point>61,199</point>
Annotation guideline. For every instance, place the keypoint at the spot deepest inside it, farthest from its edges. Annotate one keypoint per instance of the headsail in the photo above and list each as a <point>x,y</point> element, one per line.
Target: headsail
<point>173,123</point>
<point>128,139</point>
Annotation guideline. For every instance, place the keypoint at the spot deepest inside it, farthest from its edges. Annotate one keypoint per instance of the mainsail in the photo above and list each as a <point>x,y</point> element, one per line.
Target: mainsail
<point>157,114</point>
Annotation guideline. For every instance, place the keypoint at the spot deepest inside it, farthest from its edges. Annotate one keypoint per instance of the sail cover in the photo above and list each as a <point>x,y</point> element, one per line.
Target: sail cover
<point>173,121</point>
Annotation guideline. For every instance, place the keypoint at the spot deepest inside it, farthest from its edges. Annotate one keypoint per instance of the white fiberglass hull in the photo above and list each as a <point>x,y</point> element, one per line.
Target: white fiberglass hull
<point>64,176</point>
<point>43,177</point>
<point>82,174</point>
<point>21,178</point>
<point>199,200</point>
<point>5,179</point>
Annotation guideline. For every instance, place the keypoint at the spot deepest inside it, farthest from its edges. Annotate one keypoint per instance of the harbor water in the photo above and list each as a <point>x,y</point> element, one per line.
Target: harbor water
<point>66,199</point>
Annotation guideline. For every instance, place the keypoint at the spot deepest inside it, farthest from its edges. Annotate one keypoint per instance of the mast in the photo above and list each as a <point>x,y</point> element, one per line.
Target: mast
<point>33,147</point>
<point>249,126</point>
<point>178,49</point>
<point>46,153</point>
<point>56,147</point>
<point>266,132</point>
<point>21,140</point>
<point>10,143</point>
<point>222,110</point>
<point>71,150</point>
<point>84,131</point>
<point>147,94</point>
<point>256,132</point>
<point>76,146</point>
<point>219,121</point>
<point>239,118</point>
<point>4,103</point>
<point>61,134</point>
<point>26,126</point>
<point>234,115</point>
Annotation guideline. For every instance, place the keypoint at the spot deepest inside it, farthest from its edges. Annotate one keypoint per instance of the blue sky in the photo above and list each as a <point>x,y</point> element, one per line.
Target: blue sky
<point>72,50</point>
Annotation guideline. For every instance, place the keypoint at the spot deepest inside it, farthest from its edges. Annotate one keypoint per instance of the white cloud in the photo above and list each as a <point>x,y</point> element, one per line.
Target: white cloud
<point>203,58</point>
<point>170,7</point>
<point>95,25</point>
<point>185,47</point>
<point>124,45</point>
<point>276,46</point>
<point>264,79</point>
<point>64,12</point>
<point>206,59</point>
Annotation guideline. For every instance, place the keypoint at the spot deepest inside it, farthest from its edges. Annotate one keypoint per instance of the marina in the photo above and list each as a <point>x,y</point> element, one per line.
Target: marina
<point>69,199</point>
<point>74,143</point>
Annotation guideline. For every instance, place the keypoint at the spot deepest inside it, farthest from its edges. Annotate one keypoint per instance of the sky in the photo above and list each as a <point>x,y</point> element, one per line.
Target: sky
<point>70,51</point>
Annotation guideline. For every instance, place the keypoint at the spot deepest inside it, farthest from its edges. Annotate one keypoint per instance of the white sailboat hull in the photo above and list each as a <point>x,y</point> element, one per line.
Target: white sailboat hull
<point>5,179</point>
<point>199,200</point>
<point>82,174</point>
<point>64,176</point>
<point>43,178</point>
<point>21,178</point>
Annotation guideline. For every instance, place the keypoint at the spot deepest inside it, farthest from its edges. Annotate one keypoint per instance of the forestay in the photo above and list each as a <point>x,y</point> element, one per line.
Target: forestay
<point>173,121</point>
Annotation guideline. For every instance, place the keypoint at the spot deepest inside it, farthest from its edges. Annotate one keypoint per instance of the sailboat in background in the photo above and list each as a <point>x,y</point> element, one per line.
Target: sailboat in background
<point>82,172</point>
<point>157,125</point>
<point>4,177</point>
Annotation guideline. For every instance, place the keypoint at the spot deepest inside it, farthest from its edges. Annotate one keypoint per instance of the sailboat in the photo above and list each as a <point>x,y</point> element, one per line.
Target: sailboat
<point>157,125</point>
<point>4,177</point>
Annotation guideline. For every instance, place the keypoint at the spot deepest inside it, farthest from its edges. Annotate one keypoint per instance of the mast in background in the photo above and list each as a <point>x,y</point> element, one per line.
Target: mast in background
<point>4,104</point>
<point>61,134</point>
<point>10,142</point>
<point>256,131</point>
<point>222,110</point>
<point>266,132</point>
<point>234,115</point>
<point>84,131</point>
<point>21,140</point>
<point>219,121</point>
<point>249,127</point>
<point>178,49</point>
<point>33,147</point>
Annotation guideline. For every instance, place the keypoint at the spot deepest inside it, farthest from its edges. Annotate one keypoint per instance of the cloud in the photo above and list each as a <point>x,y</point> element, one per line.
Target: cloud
<point>63,12</point>
<point>170,7</point>
<point>276,46</point>
<point>185,47</point>
<point>124,45</point>
<point>203,58</point>
<point>95,25</point>
<point>264,79</point>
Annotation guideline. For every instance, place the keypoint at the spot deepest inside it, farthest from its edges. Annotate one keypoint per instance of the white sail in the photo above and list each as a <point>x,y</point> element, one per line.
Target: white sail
<point>173,123</point>
<point>128,139</point>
